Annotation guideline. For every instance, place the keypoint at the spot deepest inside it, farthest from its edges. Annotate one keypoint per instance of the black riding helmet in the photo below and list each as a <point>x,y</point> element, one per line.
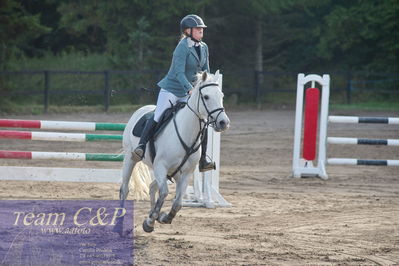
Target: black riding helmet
<point>191,21</point>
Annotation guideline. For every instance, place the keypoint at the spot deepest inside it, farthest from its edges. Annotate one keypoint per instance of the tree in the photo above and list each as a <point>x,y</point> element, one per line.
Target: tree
<point>133,30</point>
<point>363,36</point>
<point>18,29</point>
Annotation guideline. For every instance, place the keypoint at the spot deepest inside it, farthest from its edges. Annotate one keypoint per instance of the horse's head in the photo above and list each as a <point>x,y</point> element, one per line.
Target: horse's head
<point>207,98</point>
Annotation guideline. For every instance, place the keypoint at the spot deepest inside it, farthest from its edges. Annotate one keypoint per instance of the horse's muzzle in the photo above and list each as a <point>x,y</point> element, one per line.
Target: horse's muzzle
<point>222,125</point>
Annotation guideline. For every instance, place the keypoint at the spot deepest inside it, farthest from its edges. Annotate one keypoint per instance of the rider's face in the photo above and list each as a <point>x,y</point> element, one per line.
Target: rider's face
<point>198,33</point>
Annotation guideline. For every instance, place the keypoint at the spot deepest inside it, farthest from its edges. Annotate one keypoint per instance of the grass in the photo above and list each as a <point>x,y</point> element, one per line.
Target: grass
<point>368,106</point>
<point>35,109</point>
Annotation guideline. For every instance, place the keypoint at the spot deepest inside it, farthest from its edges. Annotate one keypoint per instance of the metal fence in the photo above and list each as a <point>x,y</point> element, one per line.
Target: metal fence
<point>113,87</point>
<point>77,87</point>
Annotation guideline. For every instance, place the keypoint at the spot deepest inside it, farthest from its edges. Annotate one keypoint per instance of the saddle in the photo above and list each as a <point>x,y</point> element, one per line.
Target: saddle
<point>163,122</point>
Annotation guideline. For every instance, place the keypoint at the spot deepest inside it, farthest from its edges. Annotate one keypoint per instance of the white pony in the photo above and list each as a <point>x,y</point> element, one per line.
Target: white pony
<point>204,107</point>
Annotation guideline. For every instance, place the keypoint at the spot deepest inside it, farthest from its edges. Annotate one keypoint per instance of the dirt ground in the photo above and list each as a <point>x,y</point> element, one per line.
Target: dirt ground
<point>350,219</point>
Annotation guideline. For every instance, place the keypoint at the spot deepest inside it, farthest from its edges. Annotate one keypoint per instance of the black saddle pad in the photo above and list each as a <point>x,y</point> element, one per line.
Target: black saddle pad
<point>163,122</point>
<point>139,127</point>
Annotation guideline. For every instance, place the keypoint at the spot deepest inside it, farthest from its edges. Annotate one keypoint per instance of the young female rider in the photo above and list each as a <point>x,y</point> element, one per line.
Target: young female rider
<point>190,57</point>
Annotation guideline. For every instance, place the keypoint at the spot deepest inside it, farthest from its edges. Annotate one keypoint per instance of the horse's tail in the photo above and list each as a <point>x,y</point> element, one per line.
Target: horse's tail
<point>140,181</point>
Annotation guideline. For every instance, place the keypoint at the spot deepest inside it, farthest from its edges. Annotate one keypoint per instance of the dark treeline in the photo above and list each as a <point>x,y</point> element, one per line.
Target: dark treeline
<point>252,41</point>
<point>280,35</point>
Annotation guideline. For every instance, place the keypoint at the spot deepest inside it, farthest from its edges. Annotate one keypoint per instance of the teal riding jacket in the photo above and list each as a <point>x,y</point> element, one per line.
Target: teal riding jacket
<point>185,65</point>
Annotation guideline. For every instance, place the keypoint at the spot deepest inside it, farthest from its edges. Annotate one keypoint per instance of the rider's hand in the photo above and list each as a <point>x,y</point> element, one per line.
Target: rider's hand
<point>189,92</point>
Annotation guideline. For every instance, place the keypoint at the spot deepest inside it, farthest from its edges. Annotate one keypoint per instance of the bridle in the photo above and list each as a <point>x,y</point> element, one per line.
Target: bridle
<point>209,113</point>
<point>204,124</point>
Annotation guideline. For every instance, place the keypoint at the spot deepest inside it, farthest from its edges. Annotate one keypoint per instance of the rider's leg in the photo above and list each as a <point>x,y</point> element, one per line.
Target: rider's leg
<point>204,164</point>
<point>183,99</point>
<point>138,153</point>
<point>164,101</point>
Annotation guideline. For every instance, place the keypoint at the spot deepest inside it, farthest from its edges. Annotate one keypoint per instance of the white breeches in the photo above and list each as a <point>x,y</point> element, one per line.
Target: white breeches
<point>165,98</point>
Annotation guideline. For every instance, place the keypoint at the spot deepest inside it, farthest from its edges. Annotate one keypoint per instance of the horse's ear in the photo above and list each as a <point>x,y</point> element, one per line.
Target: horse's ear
<point>217,76</point>
<point>204,75</point>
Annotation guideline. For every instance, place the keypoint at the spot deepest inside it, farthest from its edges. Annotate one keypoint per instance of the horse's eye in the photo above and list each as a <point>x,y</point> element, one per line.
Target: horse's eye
<point>206,97</point>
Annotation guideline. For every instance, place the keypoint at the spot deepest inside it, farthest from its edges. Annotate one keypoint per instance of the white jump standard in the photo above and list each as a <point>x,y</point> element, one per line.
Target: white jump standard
<point>303,165</point>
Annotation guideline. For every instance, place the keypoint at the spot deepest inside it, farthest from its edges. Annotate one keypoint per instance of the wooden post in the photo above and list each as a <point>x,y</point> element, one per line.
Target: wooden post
<point>106,91</point>
<point>349,88</point>
<point>259,61</point>
<point>46,90</point>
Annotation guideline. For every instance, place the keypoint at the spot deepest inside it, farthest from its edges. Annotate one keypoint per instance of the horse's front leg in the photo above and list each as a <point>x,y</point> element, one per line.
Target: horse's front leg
<point>181,187</point>
<point>128,166</point>
<point>160,177</point>
<point>153,191</point>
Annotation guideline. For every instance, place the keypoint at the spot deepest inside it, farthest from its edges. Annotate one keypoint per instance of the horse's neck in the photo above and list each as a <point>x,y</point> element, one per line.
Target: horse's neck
<point>188,124</point>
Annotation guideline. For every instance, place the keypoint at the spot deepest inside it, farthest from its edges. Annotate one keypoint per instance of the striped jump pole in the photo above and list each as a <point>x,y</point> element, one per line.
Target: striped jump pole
<point>347,161</point>
<point>363,120</point>
<point>53,173</point>
<point>363,141</point>
<point>57,136</point>
<point>60,174</point>
<point>68,156</point>
<point>359,141</point>
<point>61,125</point>
<point>303,165</point>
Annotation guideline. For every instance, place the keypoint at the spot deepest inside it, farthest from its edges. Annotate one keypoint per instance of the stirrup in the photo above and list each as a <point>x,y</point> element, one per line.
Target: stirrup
<point>204,166</point>
<point>138,153</point>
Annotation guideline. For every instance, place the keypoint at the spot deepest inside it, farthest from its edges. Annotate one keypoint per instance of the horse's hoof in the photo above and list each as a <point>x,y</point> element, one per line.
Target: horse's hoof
<point>164,218</point>
<point>146,227</point>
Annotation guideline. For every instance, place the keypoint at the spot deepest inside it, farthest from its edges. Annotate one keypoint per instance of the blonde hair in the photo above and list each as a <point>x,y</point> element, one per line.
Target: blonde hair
<point>184,34</point>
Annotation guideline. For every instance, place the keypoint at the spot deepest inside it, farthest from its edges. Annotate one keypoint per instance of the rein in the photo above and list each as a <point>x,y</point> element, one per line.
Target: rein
<point>200,136</point>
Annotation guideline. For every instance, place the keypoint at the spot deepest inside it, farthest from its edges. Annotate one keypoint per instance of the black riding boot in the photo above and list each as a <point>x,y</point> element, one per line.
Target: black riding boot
<point>138,153</point>
<point>204,164</point>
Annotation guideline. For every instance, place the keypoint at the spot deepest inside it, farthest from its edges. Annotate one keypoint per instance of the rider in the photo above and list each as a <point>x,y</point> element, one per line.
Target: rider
<point>190,57</point>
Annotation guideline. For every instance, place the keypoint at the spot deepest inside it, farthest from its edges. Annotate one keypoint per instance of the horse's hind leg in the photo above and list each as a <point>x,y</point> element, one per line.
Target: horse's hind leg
<point>181,187</point>
<point>160,176</point>
<point>128,166</point>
